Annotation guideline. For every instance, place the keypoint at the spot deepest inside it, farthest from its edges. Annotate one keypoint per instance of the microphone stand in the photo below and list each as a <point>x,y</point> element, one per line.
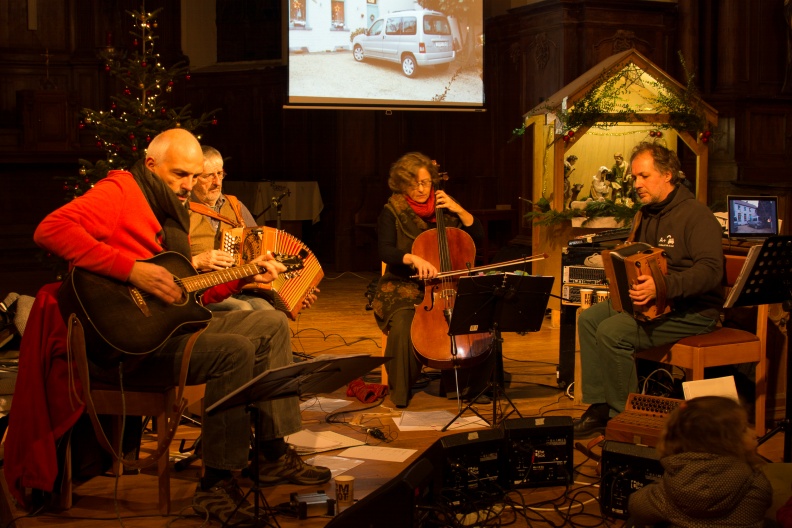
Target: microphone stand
<point>277,201</point>
<point>278,204</point>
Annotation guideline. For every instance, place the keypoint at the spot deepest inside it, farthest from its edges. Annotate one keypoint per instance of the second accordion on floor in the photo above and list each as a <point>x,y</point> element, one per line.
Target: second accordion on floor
<point>286,293</point>
<point>623,265</point>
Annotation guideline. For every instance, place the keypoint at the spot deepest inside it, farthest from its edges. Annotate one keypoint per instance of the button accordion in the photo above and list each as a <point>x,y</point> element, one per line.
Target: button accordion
<point>287,292</point>
<point>623,265</point>
<point>643,419</point>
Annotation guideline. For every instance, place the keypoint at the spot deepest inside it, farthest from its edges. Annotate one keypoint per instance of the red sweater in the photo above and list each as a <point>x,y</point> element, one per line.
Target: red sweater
<point>107,229</point>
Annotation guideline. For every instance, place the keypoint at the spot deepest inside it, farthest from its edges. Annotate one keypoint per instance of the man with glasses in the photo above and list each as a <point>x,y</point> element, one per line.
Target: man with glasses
<point>213,212</point>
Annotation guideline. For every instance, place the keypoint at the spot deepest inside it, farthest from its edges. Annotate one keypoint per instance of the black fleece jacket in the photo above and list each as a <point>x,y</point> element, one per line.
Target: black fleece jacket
<point>691,237</point>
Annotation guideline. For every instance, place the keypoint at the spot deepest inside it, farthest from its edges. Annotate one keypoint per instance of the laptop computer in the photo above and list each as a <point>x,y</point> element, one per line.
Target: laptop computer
<point>752,217</point>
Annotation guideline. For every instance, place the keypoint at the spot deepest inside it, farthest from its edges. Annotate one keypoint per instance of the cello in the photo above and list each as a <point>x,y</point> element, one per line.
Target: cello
<point>447,249</point>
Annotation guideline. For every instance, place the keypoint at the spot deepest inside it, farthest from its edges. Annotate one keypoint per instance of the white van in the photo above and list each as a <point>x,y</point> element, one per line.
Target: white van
<point>412,38</point>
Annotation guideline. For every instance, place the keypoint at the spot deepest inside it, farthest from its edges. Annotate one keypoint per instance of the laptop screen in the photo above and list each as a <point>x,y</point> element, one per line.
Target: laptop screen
<point>753,216</point>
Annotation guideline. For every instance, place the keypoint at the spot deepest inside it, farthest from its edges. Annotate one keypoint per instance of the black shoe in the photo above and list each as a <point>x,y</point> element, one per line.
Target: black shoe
<point>592,422</point>
<point>291,468</point>
<point>481,399</point>
<point>224,501</point>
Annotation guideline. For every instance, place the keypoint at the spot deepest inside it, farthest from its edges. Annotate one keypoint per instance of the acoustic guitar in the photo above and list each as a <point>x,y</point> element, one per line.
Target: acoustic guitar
<point>134,322</point>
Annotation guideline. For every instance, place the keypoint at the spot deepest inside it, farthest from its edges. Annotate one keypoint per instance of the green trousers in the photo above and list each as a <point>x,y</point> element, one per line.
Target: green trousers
<point>608,341</point>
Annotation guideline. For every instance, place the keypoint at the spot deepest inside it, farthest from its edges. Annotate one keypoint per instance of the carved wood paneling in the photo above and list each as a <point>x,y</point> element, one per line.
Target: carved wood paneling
<point>531,52</point>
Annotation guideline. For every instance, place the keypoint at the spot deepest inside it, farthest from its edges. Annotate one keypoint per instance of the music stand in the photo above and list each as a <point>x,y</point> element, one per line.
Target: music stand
<point>506,302</point>
<point>766,278</point>
<point>316,376</point>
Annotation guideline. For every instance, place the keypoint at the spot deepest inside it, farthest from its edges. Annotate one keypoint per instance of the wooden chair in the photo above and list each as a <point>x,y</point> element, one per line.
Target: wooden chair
<point>384,375</point>
<point>724,346</point>
<point>107,399</point>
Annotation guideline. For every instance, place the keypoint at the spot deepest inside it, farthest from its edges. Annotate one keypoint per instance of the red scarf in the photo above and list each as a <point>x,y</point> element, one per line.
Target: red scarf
<point>426,210</point>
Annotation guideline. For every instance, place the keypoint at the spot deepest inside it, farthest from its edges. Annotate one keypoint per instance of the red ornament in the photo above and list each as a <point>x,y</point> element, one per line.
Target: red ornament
<point>566,138</point>
<point>163,111</point>
<point>107,67</point>
<point>127,91</point>
<point>187,77</point>
<point>705,139</point>
<point>87,180</point>
<point>81,125</point>
<point>143,64</point>
<point>707,133</point>
<point>135,42</point>
<point>571,133</point>
<point>134,148</point>
<point>214,120</point>
<point>652,133</point>
<point>170,83</point>
<point>131,136</point>
<point>148,139</point>
<point>113,106</point>
<point>99,144</point>
<point>659,134</point>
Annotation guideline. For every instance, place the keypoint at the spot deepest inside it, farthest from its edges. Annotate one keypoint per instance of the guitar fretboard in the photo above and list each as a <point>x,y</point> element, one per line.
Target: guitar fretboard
<point>207,280</point>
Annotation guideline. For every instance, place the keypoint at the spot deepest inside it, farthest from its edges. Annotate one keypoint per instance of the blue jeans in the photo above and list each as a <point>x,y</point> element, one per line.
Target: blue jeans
<point>235,347</point>
<point>608,341</point>
<point>240,301</point>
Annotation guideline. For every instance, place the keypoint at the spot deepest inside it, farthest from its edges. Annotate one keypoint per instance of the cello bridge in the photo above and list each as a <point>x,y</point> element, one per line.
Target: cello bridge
<point>448,294</point>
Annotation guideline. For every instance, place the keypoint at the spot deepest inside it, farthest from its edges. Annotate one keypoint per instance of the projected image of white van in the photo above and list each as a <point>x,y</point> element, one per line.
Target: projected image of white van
<point>361,54</point>
<point>414,39</point>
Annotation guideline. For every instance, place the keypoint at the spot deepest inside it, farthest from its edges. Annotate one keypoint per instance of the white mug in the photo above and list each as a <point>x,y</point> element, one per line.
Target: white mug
<point>586,298</point>
<point>345,490</point>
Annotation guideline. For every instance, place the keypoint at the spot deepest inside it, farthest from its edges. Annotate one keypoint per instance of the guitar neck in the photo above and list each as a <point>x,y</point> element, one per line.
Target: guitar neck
<point>204,281</point>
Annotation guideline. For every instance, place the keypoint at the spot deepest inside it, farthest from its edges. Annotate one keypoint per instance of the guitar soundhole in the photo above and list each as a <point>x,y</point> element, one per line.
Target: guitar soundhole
<point>184,299</point>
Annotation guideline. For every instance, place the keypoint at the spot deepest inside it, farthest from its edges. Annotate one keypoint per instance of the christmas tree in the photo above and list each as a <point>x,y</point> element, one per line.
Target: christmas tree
<point>140,112</point>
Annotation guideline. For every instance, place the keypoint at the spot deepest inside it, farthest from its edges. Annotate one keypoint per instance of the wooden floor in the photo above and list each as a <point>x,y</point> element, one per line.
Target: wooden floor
<point>339,324</point>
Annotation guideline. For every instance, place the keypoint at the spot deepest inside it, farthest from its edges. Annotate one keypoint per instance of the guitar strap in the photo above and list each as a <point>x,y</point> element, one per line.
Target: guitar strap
<point>208,211</point>
<point>634,231</point>
<point>76,344</point>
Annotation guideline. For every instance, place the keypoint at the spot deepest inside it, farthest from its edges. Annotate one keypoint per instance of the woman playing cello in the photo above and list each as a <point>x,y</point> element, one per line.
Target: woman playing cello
<point>410,211</point>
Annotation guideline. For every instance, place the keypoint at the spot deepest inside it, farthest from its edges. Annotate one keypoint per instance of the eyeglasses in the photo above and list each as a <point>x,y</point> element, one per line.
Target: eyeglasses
<point>423,183</point>
<point>209,176</point>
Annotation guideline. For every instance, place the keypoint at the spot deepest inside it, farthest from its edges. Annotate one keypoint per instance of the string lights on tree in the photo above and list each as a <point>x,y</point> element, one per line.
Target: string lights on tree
<point>140,111</point>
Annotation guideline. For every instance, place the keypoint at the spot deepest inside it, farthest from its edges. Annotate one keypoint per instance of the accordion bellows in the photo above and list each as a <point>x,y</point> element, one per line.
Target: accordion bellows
<point>286,293</point>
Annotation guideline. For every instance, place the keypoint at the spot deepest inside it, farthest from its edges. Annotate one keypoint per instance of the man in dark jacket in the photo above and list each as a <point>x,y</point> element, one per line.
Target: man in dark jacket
<point>690,236</point>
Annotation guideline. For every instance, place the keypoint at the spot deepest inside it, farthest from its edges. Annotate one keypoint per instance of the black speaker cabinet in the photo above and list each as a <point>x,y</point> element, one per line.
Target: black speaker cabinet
<point>539,451</point>
<point>473,461</point>
<point>571,256</point>
<point>625,468</point>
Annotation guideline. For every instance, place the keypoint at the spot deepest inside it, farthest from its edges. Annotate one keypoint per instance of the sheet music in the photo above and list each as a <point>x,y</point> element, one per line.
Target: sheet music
<point>742,278</point>
<point>386,454</point>
<point>711,387</point>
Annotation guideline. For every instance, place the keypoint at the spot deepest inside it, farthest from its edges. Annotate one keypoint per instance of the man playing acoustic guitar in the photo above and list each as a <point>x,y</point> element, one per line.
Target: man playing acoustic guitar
<point>690,235</point>
<point>111,231</point>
